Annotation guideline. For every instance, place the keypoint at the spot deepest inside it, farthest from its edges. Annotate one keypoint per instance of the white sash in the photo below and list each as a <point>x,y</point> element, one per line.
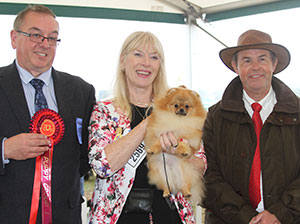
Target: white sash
<point>130,169</point>
<point>136,158</point>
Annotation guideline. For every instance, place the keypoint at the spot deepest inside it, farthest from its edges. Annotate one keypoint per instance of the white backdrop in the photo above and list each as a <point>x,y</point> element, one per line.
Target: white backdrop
<point>90,49</point>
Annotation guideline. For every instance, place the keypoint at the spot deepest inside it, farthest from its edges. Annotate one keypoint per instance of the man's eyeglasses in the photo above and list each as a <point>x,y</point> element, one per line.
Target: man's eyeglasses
<point>38,38</point>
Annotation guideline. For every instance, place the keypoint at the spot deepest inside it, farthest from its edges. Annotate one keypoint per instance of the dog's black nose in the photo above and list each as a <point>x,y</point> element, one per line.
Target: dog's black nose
<point>181,112</point>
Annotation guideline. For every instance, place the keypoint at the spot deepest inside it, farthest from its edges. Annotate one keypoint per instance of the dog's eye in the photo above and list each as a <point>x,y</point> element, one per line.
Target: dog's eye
<point>187,106</point>
<point>176,106</point>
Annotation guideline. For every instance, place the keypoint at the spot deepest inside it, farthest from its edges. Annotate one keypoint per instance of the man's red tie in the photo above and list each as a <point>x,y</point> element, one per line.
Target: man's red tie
<point>254,182</point>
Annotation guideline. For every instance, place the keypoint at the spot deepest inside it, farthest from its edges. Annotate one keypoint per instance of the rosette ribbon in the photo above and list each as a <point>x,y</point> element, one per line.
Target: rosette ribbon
<point>49,123</point>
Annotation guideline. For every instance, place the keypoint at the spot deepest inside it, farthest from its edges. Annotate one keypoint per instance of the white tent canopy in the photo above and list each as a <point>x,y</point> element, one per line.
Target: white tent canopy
<point>210,10</point>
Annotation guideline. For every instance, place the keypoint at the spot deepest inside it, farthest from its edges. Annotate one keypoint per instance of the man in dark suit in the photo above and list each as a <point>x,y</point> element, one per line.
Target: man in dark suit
<point>35,38</point>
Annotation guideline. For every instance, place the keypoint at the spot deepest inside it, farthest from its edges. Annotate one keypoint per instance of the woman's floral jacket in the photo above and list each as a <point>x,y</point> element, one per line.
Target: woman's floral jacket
<point>111,188</point>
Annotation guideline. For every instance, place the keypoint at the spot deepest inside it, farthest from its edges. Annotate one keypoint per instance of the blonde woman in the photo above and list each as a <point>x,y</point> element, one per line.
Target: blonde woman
<point>117,128</point>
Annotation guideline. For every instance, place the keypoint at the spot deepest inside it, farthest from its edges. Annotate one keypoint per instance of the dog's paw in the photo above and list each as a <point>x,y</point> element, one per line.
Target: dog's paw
<point>186,189</point>
<point>166,193</point>
<point>183,150</point>
<point>150,151</point>
<point>184,154</point>
<point>186,193</point>
<point>155,149</point>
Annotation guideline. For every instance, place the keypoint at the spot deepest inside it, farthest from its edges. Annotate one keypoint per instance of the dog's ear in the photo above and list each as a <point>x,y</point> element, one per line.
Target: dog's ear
<point>170,91</point>
<point>182,86</point>
<point>195,93</point>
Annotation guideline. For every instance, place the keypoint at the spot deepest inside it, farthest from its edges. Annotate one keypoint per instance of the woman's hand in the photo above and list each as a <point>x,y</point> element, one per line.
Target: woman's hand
<point>168,142</point>
<point>169,145</point>
<point>118,152</point>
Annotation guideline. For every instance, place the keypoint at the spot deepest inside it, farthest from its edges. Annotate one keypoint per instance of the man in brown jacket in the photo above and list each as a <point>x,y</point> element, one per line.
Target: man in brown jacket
<point>249,179</point>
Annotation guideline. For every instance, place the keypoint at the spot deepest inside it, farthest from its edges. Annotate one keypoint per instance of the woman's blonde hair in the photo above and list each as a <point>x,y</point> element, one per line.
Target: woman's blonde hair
<point>135,41</point>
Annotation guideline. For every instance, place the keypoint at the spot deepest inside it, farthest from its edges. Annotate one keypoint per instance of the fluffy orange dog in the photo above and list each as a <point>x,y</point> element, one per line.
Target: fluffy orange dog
<point>180,110</point>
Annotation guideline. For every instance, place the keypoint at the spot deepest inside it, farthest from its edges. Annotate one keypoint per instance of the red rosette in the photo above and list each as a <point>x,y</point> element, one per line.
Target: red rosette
<point>49,123</point>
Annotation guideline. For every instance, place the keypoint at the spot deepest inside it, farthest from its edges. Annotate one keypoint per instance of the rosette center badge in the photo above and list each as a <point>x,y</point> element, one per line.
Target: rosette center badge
<point>47,128</point>
<point>49,123</point>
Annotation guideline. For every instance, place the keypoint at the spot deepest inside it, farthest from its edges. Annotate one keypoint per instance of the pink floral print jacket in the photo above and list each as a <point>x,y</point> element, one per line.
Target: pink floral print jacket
<point>111,188</point>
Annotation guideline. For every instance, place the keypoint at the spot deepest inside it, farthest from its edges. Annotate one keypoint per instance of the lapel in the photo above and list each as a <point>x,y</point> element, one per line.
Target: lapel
<point>63,93</point>
<point>15,94</point>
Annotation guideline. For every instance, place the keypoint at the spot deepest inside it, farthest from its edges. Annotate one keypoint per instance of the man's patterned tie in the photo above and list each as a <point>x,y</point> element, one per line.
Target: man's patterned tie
<point>254,182</point>
<point>40,101</point>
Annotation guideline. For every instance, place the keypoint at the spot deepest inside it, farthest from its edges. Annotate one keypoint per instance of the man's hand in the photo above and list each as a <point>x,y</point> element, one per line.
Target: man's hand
<point>26,145</point>
<point>264,217</point>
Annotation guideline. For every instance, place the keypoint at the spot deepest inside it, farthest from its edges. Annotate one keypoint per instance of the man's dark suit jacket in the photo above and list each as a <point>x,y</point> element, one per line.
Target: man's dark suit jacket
<point>75,99</point>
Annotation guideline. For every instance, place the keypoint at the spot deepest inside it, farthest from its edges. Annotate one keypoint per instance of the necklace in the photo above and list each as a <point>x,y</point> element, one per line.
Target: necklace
<point>139,112</point>
<point>139,104</point>
<point>142,104</point>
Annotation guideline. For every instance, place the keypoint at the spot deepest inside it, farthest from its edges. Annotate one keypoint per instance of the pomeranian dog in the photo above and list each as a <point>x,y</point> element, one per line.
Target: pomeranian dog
<point>181,111</point>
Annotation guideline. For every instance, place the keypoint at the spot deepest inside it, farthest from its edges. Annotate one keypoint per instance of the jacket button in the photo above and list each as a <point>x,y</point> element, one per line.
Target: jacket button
<point>243,154</point>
